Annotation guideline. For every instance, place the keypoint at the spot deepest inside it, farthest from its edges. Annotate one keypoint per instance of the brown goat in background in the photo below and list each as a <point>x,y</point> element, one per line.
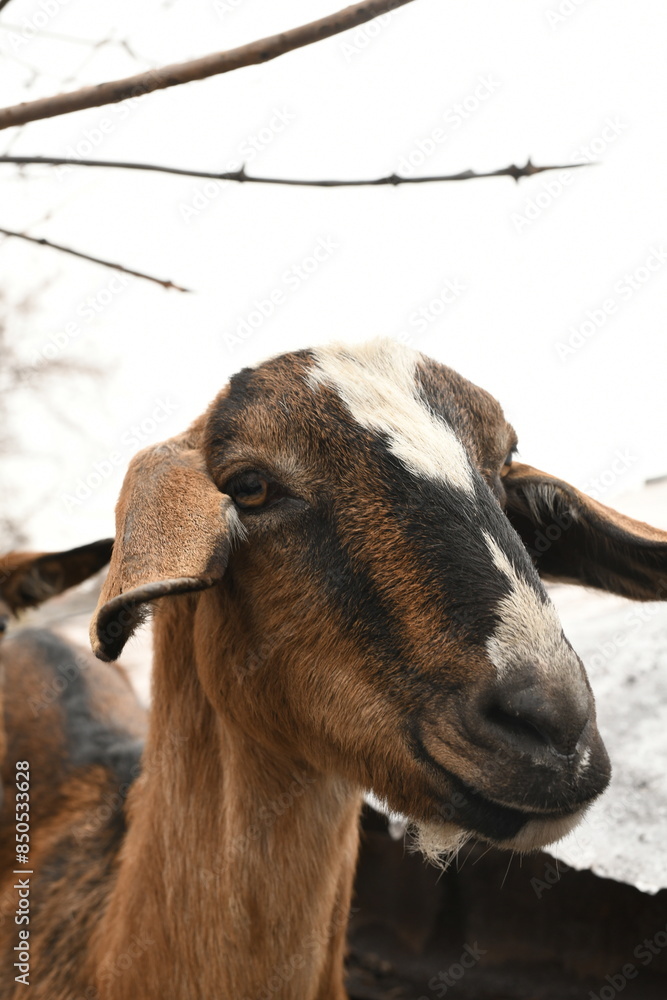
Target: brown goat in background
<point>340,552</point>
<point>27,579</point>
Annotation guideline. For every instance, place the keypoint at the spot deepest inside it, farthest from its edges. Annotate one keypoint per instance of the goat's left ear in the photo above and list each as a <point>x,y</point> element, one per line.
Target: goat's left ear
<point>29,578</point>
<point>575,539</point>
<point>174,530</point>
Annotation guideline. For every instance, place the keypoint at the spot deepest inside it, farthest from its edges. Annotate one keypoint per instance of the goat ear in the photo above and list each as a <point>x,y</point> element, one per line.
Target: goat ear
<point>28,578</point>
<point>173,534</point>
<point>575,539</point>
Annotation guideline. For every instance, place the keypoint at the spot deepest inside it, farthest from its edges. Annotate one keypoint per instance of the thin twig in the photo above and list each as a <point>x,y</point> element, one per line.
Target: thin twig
<point>243,178</point>
<point>121,43</point>
<point>255,53</point>
<point>96,260</point>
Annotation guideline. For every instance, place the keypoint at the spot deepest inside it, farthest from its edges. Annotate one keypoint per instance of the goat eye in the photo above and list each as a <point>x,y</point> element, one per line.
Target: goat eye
<point>249,490</point>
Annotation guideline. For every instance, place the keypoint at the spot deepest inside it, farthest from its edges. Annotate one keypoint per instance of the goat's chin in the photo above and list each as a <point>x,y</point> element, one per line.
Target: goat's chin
<point>440,841</point>
<point>539,833</point>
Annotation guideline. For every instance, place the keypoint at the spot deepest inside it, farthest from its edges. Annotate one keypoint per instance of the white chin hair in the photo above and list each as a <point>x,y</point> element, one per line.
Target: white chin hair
<point>439,842</point>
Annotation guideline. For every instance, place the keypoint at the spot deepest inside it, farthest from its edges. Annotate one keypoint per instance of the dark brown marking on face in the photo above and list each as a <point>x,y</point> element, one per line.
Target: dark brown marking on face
<point>388,573</point>
<point>476,417</point>
<point>377,587</point>
<point>387,548</point>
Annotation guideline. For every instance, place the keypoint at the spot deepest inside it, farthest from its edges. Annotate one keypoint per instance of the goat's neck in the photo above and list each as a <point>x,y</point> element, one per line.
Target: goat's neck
<point>236,874</point>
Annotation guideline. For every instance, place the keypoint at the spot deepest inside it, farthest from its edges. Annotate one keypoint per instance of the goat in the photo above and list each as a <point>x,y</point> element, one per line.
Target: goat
<point>337,555</point>
<point>27,579</point>
<point>58,708</point>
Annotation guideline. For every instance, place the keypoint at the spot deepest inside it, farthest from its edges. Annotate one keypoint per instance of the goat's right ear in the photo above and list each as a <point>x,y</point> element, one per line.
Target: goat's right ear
<point>174,530</point>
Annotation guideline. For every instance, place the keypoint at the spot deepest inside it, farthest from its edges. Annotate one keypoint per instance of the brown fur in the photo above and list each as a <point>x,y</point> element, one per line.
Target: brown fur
<point>76,814</point>
<point>29,578</point>
<point>68,803</point>
<point>274,705</point>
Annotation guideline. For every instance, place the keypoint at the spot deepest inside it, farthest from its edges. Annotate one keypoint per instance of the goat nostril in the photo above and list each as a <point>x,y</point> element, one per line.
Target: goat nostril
<point>533,721</point>
<point>516,725</point>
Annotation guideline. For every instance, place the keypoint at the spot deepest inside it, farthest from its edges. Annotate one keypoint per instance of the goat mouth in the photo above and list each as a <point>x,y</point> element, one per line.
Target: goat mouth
<point>469,813</point>
<point>537,821</point>
<point>502,824</point>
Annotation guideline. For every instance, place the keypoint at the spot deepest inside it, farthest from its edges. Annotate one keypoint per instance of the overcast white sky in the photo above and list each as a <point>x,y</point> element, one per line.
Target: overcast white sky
<point>551,293</point>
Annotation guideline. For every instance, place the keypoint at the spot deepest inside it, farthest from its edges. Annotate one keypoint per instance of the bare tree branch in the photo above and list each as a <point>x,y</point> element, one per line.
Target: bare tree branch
<point>197,69</point>
<point>243,178</point>
<point>96,260</point>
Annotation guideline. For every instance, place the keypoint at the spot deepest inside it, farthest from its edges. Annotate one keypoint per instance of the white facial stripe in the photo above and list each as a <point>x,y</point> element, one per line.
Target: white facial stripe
<point>529,630</point>
<point>377,381</point>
